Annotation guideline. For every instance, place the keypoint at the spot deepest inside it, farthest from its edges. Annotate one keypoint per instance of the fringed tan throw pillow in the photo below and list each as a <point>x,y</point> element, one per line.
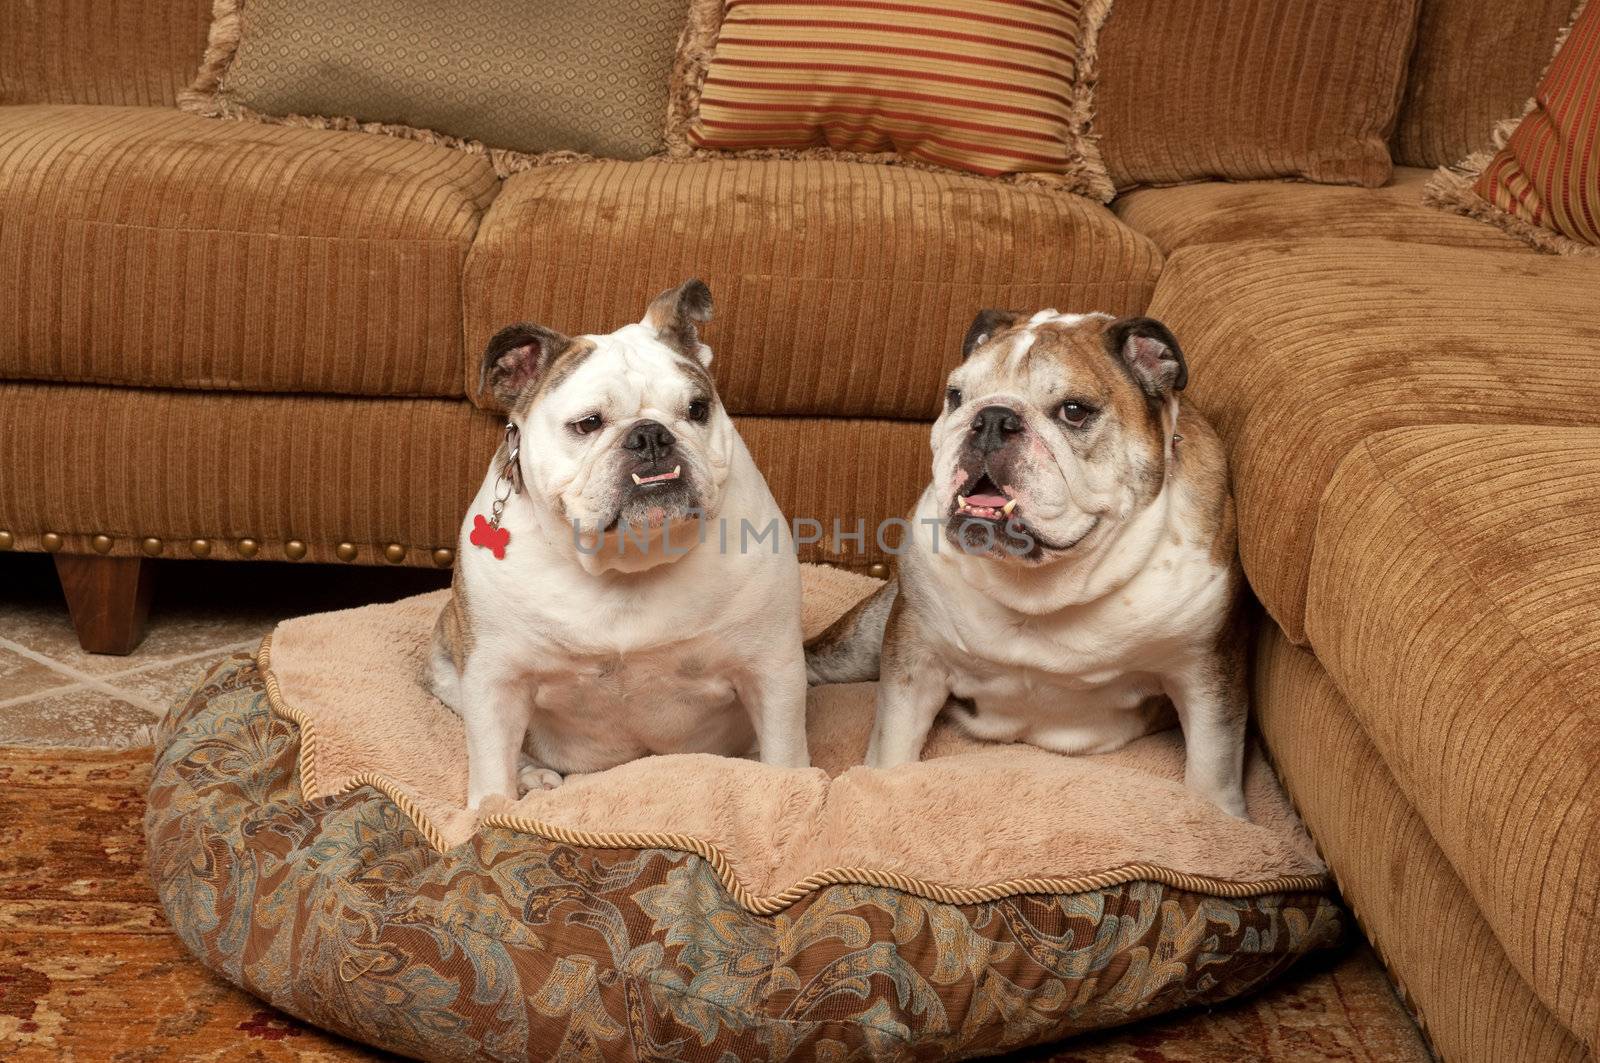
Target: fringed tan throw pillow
<point>1541,182</point>
<point>1001,88</point>
<point>524,81</point>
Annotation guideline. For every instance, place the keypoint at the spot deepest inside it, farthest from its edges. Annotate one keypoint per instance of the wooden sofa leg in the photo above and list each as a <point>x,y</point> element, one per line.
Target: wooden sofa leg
<point>109,598</point>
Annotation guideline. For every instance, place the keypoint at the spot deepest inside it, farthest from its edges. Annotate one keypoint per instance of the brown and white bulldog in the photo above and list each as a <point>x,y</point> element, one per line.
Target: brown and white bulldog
<point>1072,566</point>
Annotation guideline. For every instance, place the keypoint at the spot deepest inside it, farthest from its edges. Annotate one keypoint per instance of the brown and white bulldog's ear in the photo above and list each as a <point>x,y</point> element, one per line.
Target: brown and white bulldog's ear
<point>676,315</point>
<point>514,359</point>
<point>1151,353</point>
<point>985,326</point>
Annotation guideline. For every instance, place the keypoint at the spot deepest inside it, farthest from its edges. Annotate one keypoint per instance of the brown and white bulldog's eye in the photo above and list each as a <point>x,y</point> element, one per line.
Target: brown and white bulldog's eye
<point>699,411</point>
<point>1076,414</point>
<point>584,425</point>
<point>952,398</point>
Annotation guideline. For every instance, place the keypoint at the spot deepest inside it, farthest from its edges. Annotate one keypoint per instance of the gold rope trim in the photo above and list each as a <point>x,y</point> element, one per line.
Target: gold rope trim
<point>772,902</point>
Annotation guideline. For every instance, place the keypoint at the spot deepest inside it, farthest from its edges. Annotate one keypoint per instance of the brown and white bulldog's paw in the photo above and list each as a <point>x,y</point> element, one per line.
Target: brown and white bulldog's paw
<point>533,778</point>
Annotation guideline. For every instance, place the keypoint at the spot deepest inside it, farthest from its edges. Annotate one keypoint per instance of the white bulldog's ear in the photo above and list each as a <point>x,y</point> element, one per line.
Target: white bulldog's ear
<point>1150,352</point>
<point>514,359</point>
<point>676,315</point>
<point>986,326</point>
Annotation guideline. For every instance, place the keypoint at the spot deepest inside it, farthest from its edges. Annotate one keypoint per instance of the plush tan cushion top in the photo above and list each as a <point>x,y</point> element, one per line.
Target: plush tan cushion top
<point>1453,599</point>
<point>1220,212</point>
<point>145,246</point>
<point>971,815</point>
<point>1297,351</point>
<point>842,288</point>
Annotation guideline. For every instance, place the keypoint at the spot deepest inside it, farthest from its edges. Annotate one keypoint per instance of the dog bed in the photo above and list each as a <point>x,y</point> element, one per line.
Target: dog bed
<point>309,840</point>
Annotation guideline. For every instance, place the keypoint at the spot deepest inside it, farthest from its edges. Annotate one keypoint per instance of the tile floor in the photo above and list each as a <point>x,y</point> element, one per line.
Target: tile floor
<point>54,694</point>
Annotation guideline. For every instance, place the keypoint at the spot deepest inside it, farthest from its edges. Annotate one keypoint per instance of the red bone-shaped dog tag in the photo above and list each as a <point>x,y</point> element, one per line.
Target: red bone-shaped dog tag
<point>489,536</point>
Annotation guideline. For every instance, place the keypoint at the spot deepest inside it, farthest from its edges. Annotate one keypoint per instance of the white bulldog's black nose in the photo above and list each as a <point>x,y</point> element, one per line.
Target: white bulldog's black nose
<point>993,428</point>
<point>650,440</point>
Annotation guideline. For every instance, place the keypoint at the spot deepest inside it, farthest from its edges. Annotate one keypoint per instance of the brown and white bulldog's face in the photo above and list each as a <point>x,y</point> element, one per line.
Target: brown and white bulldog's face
<point>620,431</point>
<point>1054,431</point>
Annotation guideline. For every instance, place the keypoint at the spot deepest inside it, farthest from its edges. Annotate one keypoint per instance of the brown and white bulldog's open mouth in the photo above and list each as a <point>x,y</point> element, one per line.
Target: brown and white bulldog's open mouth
<point>986,501</point>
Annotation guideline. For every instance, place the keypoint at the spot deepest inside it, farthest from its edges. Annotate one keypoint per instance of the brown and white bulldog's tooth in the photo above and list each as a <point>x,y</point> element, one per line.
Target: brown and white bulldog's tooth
<point>1008,507</point>
<point>636,479</point>
<point>961,501</point>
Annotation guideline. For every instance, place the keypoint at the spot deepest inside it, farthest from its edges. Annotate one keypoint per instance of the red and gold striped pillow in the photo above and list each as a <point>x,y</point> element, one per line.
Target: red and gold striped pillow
<point>994,87</point>
<point>1543,184</point>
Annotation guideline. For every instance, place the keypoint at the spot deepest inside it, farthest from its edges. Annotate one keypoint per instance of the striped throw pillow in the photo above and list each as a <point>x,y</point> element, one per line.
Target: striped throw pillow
<point>1543,184</point>
<point>993,87</point>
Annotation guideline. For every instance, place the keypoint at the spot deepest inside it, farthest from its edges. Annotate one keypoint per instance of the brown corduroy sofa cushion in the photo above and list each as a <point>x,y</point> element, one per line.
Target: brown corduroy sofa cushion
<point>1451,968</point>
<point>1297,351</point>
<point>322,470</point>
<point>1222,212</point>
<point>149,247</point>
<point>1452,598</point>
<point>138,53</point>
<point>842,289</point>
<point>1474,64</point>
<point>1197,89</point>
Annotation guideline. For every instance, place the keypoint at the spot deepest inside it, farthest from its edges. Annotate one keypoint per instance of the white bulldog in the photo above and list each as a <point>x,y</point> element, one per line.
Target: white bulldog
<point>1072,566</point>
<point>595,616</point>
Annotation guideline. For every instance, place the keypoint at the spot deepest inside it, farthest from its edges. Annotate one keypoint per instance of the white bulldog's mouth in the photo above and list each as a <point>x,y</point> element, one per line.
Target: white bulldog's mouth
<point>658,478</point>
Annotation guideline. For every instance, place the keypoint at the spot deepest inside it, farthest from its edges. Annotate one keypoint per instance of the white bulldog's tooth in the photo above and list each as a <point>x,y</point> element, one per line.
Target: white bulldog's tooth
<point>675,470</point>
<point>1008,507</point>
<point>961,501</point>
<point>636,479</point>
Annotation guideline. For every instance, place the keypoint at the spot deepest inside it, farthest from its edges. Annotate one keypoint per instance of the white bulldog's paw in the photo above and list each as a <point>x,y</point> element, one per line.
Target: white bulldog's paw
<point>532,778</point>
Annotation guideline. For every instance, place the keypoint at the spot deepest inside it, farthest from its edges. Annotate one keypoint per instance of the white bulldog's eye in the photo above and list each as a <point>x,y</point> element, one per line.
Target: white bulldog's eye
<point>584,425</point>
<point>1076,414</point>
<point>699,411</point>
<point>952,398</point>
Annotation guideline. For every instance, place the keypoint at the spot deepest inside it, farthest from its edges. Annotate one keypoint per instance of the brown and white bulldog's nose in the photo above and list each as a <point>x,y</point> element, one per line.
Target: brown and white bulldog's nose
<point>650,440</point>
<point>993,428</point>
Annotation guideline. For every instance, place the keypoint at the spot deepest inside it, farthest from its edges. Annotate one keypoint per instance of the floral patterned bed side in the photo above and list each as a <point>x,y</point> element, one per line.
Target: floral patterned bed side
<point>515,947</point>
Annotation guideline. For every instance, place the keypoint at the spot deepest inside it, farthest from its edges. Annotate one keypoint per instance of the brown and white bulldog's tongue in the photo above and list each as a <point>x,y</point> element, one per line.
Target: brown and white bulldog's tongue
<point>987,501</point>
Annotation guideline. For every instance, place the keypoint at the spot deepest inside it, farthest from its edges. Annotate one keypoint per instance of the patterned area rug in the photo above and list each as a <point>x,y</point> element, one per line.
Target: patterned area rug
<point>89,971</point>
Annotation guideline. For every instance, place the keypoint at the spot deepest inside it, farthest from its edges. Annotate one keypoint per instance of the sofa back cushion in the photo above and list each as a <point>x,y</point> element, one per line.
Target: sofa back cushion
<point>1197,89</point>
<point>134,53</point>
<point>1473,66</point>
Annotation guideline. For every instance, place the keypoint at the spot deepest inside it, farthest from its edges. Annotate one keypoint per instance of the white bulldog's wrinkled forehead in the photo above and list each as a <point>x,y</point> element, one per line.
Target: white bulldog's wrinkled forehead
<point>630,369</point>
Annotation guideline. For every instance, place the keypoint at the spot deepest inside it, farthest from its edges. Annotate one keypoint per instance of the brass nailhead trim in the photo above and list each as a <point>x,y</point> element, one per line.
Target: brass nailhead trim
<point>249,548</point>
<point>50,541</point>
<point>151,546</point>
<point>395,553</point>
<point>101,544</point>
<point>294,549</point>
<point>443,556</point>
<point>345,551</point>
<point>879,570</point>
<point>6,541</point>
<point>200,548</point>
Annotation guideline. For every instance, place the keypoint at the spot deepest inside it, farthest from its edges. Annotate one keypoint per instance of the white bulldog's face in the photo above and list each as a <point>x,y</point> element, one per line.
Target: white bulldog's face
<point>619,433</point>
<point>1054,431</point>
